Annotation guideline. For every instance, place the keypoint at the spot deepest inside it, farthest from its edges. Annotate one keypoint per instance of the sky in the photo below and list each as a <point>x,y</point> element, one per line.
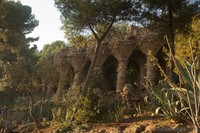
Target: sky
<point>49,22</point>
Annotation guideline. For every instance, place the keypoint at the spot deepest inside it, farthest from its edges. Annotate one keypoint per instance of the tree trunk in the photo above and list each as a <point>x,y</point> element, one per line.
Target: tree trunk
<point>42,102</point>
<point>92,65</point>
<point>35,120</point>
<point>91,69</point>
<point>96,51</point>
<point>197,129</point>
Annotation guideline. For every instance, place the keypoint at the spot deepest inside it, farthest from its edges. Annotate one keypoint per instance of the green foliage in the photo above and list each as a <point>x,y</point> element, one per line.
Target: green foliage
<point>19,63</point>
<point>184,43</point>
<point>88,110</point>
<point>17,17</point>
<point>81,16</point>
<point>190,93</point>
<point>167,103</point>
<point>51,49</point>
<point>86,113</point>
<point>114,109</point>
<point>175,99</point>
<point>169,14</point>
<point>96,81</point>
<point>16,21</point>
<point>78,40</point>
<point>120,110</point>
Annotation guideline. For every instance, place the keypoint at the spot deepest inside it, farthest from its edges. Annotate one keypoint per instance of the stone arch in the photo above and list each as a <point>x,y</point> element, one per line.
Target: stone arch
<point>110,73</point>
<point>136,69</point>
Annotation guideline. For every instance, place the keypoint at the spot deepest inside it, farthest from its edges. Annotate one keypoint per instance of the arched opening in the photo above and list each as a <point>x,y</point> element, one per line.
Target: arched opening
<point>136,69</point>
<point>133,73</point>
<point>110,74</point>
<point>161,56</point>
<point>70,77</point>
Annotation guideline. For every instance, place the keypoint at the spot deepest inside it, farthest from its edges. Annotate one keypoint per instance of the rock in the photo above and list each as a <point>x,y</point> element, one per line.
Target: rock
<point>136,128</point>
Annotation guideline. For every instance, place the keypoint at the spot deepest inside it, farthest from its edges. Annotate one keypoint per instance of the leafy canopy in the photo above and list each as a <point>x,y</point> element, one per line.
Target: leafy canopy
<point>166,13</point>
<point>16,20</point>
<point>77,15</point>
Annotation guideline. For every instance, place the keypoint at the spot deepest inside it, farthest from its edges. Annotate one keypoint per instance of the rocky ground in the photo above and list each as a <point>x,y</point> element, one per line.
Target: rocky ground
<point>145,125</point>
<point>137,125</point>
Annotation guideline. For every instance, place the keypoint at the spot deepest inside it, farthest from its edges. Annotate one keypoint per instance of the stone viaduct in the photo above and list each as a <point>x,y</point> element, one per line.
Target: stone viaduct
<point>117,55</point>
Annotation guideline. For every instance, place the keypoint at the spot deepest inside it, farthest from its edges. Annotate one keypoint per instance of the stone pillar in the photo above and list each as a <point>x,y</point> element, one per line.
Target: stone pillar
<point>74,91</point>
<point>121,73</point>
<point>122,50</point>
<point>150,71</point>
<point>78,77</point>
<point>62,67</point>
<point>77,58</point>
<point>62,81</point>
<point>150,44</point>
<point>78,65</point>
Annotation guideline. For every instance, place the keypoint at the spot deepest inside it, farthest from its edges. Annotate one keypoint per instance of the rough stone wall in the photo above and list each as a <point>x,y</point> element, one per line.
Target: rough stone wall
<point>121,47</point>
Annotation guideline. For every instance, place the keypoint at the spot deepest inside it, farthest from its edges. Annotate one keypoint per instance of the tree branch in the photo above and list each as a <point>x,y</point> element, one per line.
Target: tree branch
<point>108,29</point>
<point>93,32</point>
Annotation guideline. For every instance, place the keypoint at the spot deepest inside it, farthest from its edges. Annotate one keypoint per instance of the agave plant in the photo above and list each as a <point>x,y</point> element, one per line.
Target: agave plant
<point>180,101</point>
<point>191,92</point>
<point>166,103</point>
<point>191,79</point>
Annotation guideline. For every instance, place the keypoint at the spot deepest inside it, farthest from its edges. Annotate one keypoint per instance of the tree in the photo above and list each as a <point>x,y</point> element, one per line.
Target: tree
<point>171,16</point>
<point>51,49</point>
<point>18,60</point>
<point>85,17</point>
<point>184,43</point>
<point>16,21</point>
<point>46,70</point>
<point>22,77</point>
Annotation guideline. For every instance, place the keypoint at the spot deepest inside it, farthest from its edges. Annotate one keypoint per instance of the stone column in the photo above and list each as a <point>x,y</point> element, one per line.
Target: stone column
<point>150,71</point>
<point>77,59</point>
<point>121,73</point>
<point>78,65</point>
<point>122,50</point>
<point>62,67</point>
<point>150,44</point>
<point>62,80</point>
<point>78,77</point>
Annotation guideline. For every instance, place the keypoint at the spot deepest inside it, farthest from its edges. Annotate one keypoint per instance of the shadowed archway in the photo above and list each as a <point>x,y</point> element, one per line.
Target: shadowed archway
<point>136,69</point>
<point>110,74</point>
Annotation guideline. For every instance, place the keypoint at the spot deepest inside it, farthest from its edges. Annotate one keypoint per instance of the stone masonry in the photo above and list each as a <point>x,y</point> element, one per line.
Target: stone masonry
<point>135,45</point>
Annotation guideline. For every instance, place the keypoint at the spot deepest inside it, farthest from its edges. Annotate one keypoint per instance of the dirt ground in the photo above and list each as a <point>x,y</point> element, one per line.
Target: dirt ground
<point>137,125</point>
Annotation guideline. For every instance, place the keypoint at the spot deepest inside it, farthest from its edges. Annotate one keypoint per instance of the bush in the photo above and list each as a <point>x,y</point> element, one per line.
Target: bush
<point>88,111</point>
<point>96,81</point>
